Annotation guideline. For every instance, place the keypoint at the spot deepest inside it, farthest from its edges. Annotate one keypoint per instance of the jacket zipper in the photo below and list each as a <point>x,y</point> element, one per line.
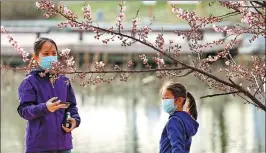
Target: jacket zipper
<point>58,142</point>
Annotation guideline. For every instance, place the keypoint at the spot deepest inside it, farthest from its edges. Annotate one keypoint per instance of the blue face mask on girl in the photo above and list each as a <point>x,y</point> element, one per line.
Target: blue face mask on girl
<point>169,106</point>
<point>46,61</point>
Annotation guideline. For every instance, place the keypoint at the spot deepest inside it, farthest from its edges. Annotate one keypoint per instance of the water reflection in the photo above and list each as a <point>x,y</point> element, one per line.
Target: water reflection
<point>128,119</point>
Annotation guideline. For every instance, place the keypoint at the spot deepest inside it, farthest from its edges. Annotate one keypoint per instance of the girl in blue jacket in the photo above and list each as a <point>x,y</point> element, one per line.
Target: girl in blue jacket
<point>40,104</point>
<point>182,125</point>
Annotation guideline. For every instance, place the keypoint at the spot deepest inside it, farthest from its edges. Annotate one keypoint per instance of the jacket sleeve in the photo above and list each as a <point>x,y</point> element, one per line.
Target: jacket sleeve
<point>175,131</point>
<point>73,106</point>
<point>28,108</point>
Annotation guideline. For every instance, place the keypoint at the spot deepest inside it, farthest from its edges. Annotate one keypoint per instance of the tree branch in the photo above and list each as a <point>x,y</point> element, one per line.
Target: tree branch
<point>182,75</point>
<point>255,8</point>
<point>107,71</point>
<point>221,94</point>
<point>229,14</point>
<point>259,88</point>
<point>247,101</point>
<point>249,95</point>
<point>161,51</point>
<point>259,3</point>
<point>254,99</point>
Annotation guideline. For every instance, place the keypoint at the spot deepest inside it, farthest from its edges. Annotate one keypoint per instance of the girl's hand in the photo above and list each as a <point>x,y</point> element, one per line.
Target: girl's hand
<point>73,122</point>
<point>52,107</point>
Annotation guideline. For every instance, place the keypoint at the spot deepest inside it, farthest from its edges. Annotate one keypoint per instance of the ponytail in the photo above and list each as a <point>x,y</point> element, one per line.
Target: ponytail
<point>191,106</point>
<point>33,63</point>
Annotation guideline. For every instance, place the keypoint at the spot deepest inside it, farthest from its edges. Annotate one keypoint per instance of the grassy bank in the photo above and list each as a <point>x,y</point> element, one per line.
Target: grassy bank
<point>109,9</point>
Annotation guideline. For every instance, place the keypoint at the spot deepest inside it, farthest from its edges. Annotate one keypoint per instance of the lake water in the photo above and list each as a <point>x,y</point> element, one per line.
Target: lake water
<point>127,118</point>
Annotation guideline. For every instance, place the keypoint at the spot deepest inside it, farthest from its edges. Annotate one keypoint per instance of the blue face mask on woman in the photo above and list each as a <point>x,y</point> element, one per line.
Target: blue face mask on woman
<point>47,60</point>
<point>169,106</point>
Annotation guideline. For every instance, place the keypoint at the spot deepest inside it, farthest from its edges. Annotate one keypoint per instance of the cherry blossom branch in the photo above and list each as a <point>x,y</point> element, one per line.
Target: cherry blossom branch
<point>187,73</point>
<point>99,72</point>
<point>14,43</point>
<point>254,99</point>
<point>192,20</point>
<point>121,16</point>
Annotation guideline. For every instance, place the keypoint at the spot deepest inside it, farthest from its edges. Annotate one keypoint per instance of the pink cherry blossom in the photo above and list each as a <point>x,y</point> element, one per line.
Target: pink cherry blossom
<point>14,43</point>
<point>87,13</point>
<point>65,52</point>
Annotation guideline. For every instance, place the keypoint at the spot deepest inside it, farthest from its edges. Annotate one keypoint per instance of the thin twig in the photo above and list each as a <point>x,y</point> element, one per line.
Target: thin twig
<point>137,12</point>
<point>249,102</point>
<point>221,94</point>
<point>259,88</point>
<point>181,75</point>
<point>229,14</point>
<point>133,33</point>
<point>232,81</point>
<point>256,81</point>
<point>252,6</point>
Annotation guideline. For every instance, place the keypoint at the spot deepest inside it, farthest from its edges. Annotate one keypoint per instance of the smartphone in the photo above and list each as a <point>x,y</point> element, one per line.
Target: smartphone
<point>67,103</point>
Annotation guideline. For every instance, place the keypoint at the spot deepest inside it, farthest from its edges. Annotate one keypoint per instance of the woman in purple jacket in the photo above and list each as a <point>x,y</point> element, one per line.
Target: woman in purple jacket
<point>181,126</point>
<point>41,104</point>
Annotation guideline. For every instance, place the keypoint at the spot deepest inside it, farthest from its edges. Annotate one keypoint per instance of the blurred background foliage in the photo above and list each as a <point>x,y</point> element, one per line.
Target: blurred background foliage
<point>107,11</point>
<point>15,10</point>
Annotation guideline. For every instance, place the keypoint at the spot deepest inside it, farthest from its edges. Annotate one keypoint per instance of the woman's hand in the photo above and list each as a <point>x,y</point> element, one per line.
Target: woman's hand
<point>73,122</point>
<point>52,107</point>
